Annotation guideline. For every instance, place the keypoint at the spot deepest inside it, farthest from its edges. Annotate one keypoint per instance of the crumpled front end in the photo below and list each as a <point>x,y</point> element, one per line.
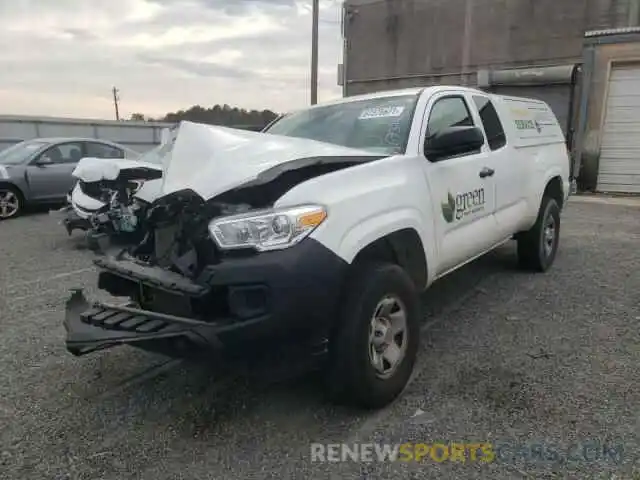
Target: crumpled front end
<point>183,295</point>
<point>103,200</point>
<point>204,291</point>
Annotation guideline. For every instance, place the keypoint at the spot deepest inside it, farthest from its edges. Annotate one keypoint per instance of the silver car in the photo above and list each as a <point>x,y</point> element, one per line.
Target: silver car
<point>39,170</point>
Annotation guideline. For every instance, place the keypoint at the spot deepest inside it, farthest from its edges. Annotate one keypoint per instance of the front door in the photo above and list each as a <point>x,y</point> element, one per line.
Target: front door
<point>52,180</point>
<point>462,189</point>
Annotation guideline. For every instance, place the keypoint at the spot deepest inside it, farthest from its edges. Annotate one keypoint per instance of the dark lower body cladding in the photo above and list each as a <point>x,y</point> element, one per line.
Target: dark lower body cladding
<point>236,307</point>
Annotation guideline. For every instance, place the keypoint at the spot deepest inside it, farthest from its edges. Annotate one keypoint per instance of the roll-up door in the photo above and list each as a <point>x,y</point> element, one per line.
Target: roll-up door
<point>619,165</point>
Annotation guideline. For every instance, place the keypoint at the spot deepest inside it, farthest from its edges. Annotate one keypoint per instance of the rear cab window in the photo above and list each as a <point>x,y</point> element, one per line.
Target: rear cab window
<point>491,123</point>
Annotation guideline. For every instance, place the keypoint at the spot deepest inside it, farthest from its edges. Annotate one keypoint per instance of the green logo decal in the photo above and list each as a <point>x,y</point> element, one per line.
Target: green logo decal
<point>449,208</point>
<point>462,205</point>
<point>528,125</point>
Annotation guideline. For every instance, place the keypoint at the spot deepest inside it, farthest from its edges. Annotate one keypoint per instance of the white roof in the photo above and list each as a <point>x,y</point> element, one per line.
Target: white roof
<point>393,93</point>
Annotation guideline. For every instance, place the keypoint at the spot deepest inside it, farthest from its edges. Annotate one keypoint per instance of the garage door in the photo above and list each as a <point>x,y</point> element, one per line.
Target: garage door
<point>619,166</point>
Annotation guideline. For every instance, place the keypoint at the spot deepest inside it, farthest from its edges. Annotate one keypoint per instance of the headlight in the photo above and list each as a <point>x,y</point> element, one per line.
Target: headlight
<point>267,230</point>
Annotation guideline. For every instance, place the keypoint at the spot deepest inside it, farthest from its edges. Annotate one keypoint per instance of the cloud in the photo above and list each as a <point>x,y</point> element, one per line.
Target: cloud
<point>63,57</point>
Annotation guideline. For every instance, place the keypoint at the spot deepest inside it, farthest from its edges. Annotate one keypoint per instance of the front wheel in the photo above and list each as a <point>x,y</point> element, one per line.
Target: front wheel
<point>538,246</point>
<point>11,203</point>
<point>374,348</point>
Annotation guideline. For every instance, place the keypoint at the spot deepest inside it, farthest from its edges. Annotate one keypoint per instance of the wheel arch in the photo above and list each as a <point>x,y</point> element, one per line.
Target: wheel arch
<point>402,247</point>
<point>13,186</point>
<point>554,188</point>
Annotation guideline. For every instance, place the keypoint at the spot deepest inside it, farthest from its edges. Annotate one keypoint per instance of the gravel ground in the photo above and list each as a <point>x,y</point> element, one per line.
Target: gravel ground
<point>506,357</point>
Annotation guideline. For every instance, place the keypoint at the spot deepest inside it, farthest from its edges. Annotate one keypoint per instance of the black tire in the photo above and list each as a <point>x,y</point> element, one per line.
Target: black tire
<point>17,195</point>
<point>536,251</point>
<point>351,377</point>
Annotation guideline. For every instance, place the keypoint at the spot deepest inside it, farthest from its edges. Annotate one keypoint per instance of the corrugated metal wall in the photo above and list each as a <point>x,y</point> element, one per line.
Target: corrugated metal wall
<point>139,136</point>
<point>398,43</point>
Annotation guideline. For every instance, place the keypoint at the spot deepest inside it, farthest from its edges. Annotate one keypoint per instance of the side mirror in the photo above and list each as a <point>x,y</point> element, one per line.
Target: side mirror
<point>43,160</point>
<point>453,141</point>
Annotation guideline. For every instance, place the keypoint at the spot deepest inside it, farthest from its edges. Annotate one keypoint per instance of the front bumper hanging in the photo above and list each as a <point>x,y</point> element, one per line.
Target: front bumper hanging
<point>282,296</point>
<point>98,326</point>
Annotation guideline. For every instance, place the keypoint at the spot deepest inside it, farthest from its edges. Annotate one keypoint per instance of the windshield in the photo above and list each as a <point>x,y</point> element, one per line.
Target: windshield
<point>19,152</point>
<point>380,125</point>
<point>157,154</point>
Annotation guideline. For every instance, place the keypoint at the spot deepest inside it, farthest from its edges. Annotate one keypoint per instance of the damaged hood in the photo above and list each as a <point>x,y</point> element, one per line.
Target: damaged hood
<point>90,169</point>
<point>211,160</point>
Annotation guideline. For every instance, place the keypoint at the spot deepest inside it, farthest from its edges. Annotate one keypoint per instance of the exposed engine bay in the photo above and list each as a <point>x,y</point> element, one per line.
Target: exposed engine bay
<point>174,229</point>
<point>176,235</point>
<point>246,174</point>
<point>121,212</point>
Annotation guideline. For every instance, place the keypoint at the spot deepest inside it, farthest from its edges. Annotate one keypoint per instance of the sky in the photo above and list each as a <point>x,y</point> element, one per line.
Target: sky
<point>62,57</point>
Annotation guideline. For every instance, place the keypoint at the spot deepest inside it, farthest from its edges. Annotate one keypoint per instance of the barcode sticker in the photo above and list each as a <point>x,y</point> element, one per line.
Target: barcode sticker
<point>381,112</point>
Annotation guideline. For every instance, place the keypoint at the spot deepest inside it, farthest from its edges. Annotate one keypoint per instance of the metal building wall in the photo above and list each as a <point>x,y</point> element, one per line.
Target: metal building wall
<point>401,43</point>
<point>605,52</point>
<point>139,136</point>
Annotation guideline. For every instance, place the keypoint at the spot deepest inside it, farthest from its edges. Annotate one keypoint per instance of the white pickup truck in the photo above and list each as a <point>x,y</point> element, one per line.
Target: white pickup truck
<point>322,231</point>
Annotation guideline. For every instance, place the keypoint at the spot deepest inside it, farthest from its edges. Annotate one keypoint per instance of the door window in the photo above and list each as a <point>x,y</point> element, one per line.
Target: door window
<point>102,150</point>
<point>448,112</point>
<point>64,153</point>
<point>491,122</point>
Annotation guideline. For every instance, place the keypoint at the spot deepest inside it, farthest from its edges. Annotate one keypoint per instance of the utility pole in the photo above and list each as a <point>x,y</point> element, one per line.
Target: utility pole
<point>314,51</point>
<point>466,42</point>
<point>116,98</point>
<point>345,46</point>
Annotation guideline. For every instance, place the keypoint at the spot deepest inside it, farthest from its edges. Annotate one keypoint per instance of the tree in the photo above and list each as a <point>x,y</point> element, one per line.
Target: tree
<point>137,117</point>
<point>223,115</point>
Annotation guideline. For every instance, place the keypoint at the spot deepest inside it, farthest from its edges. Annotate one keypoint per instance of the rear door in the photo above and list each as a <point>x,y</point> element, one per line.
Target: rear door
<point>510,196</point>
<point>52,181</point>
<point>462,187</point>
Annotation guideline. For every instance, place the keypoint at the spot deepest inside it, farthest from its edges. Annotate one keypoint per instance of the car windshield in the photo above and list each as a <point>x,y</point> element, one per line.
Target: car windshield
<point>19,152</point>
<point>157,154</point>
<point>380,125</point>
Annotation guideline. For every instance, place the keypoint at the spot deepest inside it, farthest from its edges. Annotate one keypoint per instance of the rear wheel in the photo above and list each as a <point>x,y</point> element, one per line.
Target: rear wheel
<point>375,346</point>
<point>11,202</point>
<point>538,246</point>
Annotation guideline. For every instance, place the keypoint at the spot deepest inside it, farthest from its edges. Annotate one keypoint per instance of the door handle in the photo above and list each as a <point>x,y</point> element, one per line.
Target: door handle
<point>487,172</point>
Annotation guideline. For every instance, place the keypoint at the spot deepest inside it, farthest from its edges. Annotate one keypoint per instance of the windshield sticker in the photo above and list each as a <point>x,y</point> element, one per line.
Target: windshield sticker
<point>381,112</point>
<point>393,136</point>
